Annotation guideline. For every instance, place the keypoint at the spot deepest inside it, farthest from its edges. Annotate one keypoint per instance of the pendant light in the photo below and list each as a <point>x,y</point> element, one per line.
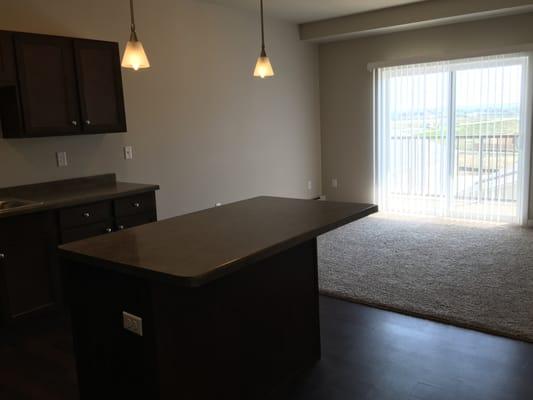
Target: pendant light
<point>134,55</point>
<point>263,68</point>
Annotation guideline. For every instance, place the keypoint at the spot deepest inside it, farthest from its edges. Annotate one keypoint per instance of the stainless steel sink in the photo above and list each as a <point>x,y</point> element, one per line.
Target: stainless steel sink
<point>9,204</point>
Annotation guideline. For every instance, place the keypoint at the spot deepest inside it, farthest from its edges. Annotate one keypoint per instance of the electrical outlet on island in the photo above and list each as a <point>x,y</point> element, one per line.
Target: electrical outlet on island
<point>62,160</point>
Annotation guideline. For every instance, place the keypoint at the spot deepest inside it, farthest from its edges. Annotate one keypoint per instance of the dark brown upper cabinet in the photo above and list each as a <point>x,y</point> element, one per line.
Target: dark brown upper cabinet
<point>47,83</point>
<point>100,86</point>
<point>10,112</point>
<point>7,60</point>
<point>64,86</point>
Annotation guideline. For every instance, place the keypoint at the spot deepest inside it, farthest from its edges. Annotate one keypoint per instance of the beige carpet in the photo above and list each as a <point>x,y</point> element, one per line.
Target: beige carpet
<point>471,275</point>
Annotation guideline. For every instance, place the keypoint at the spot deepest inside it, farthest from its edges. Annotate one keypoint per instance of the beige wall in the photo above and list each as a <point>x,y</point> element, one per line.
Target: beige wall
<point>346,89</point>
<point>201,127</point>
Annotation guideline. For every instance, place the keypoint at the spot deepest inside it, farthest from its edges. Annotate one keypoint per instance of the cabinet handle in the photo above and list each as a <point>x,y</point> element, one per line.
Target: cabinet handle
<point>121,227</point>
<point>109,230</point>
<point>75,123</point>
<point>88,122</point>
<point>136,205</point>
<point>86,214</point>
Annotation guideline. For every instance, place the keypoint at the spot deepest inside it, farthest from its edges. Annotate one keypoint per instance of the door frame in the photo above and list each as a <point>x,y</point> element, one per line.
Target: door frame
<point>527,101</point>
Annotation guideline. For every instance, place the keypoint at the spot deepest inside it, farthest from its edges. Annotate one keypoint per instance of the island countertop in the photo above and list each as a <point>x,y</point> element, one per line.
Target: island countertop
<point>194,249</point>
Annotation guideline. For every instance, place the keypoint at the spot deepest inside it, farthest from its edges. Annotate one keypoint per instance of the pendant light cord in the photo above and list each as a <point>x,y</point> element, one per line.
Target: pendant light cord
<point>263,53</point>
<point>132,13</point>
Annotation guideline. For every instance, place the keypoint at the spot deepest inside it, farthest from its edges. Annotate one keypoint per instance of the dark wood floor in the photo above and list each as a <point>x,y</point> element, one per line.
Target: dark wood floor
<point>367,354</point>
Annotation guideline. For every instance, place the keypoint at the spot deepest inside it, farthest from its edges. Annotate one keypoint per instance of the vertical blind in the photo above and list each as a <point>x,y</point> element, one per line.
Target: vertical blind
<point>451,136</point>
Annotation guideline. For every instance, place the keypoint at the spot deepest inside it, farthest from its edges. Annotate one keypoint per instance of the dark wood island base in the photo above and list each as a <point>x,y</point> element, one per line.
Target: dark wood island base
<point>231,329</point>
<point>236,337</point>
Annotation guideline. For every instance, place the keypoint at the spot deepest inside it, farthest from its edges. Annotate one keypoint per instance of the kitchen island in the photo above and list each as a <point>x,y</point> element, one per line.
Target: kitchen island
<point>217,304</point>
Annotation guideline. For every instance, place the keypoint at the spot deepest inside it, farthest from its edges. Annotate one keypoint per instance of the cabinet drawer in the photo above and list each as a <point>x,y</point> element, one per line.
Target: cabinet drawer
<point>85,215</point>
<point>87,231</point>
<point>139,204</point>
<point>135,220</point>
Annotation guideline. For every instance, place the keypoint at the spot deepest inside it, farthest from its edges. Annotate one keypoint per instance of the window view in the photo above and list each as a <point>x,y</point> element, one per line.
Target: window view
<point>449,138</point>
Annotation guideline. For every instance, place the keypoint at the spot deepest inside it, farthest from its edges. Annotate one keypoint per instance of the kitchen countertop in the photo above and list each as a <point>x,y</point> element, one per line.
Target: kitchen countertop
<point>197,248</point>
<point>68,193</point>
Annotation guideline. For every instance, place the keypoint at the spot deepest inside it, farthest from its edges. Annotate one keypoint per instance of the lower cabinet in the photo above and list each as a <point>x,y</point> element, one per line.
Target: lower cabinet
<point>82,222</point>
<point>87,231</point>
<point>134,220</point>
<point>27,247</point>
<point>29,272</point>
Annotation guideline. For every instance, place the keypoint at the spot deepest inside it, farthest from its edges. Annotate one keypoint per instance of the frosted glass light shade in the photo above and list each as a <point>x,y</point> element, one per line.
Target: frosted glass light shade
<point>263,68</point>
<point>135,56</point>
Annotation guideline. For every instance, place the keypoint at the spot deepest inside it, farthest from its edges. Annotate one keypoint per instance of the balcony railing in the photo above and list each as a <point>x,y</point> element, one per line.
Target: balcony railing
<point>485,167</point>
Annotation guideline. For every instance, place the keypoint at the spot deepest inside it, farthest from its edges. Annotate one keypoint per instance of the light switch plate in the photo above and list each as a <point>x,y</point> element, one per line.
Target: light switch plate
<point>132,323</point>
<point>128,152</point>
<point>62,160</point>
<point>334,183</point>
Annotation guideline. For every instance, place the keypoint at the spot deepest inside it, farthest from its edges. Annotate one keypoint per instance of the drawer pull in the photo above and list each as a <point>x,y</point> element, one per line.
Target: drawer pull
<point>136,204</point>
<point>109,230</point>
<point>86,214</point>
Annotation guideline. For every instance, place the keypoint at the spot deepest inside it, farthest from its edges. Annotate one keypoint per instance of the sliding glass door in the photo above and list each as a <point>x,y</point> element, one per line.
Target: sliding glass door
<point>451,138</point>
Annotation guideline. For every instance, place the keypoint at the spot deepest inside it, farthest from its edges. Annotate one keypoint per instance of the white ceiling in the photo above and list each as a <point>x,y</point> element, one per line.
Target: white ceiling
<point>301,11</point>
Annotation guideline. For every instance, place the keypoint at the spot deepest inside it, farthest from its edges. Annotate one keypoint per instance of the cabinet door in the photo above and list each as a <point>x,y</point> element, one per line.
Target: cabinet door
<point>48,88</point>
<point>10,115</point>
<point>26,273</point>
<point>7,60</point>
<point>100,85</point>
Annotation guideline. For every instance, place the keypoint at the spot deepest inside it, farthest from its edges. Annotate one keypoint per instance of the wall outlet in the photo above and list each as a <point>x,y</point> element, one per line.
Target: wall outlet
<point>309,185</point>
<point>334,183</point>
<point>62,160</point>
<point>128,152</point>
<point>132,323</point>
